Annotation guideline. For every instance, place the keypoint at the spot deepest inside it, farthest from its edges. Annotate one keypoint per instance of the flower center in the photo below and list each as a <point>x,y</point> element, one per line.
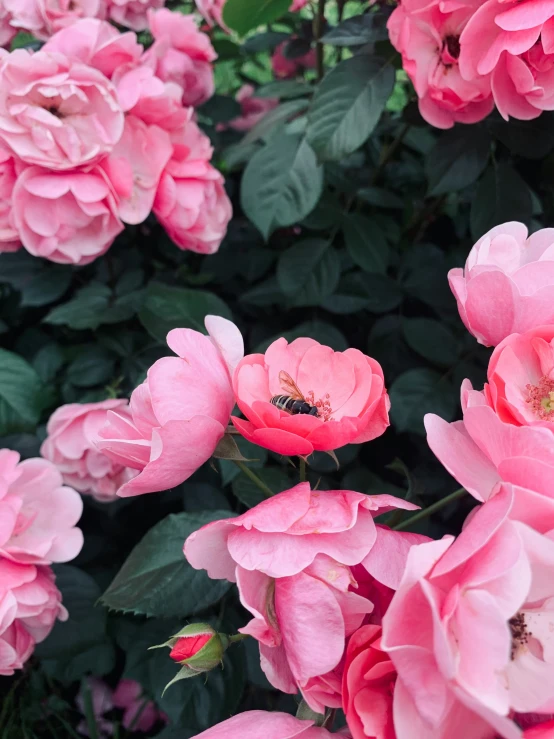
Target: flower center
<point>520,634</point>
<point>323,405</point>
<point>541,398</point>
<point>453,46</point>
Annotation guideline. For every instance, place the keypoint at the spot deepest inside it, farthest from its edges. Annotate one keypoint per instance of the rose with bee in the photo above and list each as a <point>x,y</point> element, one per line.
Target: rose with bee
<point>304,397</point>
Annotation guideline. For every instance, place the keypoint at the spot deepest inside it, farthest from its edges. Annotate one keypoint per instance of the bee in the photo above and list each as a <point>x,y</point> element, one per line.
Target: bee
<point>293,403</point>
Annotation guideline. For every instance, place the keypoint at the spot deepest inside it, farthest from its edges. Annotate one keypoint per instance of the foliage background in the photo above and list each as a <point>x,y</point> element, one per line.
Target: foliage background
<point>349,212</point>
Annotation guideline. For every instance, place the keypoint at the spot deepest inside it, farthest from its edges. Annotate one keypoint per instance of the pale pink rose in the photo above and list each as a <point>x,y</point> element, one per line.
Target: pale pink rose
<point>252,108</point>
<point>30,603</point>
<point>38,516</point>
<point>7,30</point>
<point>427,34</point>
<point>132,13</point>
<point>135,166</point>
<point>9,238</point>
<point>292,558</point>
<point>507,285</point>
<point>285,68</point>
<point>348,389</point>
<point>140,714</point>
<point>70,446</point>
<point>97,44</point>
<point>55,112</point>
<point>147,97</point>
<point>181,54</point>
<point>367,687</point>
<point>66,217</point>
<point>101,698</point>
<point>468,629</point>
<point>43,18</point>
<point>266,724</point>
<point>180,411</point>
<point>540,731</point>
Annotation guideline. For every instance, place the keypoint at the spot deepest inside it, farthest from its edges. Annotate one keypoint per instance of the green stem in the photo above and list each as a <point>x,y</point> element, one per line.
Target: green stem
<point>319,23</point>
<point>237,637</point>
<point>302,469</point>
<point>255,479</point>
<point>431,509</point>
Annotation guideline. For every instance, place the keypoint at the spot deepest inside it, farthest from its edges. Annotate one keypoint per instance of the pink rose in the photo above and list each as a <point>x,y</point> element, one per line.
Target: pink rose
<point>9,238</point>
<point>508,283</point>
<point>541,731</point>
<point>140,714</point>
<point>270,725</point>
<point>7,30</point>
<point>97,44</point>
<point>427,34</point>
<point>145,96</point>
<point>132,13</point>
<point>347,388</point>
<point>43,18</point>
<point>181,54</point>
<point>30,603</point>
<point>72,431</point>
<point>66,217</point>
<point>180,411</point>
<point>38,516</point>
<point>101,698</point>
<point>292,557</point>
<point>286,68</point>
<point>253,109</point>
<point>368,684</point>
<point>55,112</point>
<point>468,629</point>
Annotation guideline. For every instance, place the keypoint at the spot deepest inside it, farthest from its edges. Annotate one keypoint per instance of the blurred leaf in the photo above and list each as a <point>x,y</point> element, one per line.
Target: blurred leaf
<point>21,394</point>
<point>228,449</point>
<point>48,361</point>
<point>502,196</point>
<point>40,282</point>
<point>284,89</point>
<point>357,291</point>
<point>431,339</point>
<point>220,109</point>
<point>264,41</point>
<point>250,494</point>
<point>417,392</point>
<point>93,306</point>
<point>93,366</point>
<point>244,15</point>
<point>457,159</point>
<point>366,243</point>
<point>357,31</point>
<point>532,139</point>
<point>297,262</point>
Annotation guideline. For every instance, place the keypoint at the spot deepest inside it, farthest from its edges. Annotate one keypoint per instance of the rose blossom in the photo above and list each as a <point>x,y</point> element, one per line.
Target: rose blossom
<point>55,112</point>
<point>147,97</point>
<point>66,217</point>
<point>72,430</point>
<point>132,13</point>
<point>292,557</point>
<point>43,18</point>
<point>101,699</point>
<point>181,54</point>
<point>468,629</point>
<point>180,411</point>
<point>427,34</point>
<point>30,603</point>
<point>507,285</point>
<point>9,238</point>
<point>270,725</point>
<point>139,714</point>
<point>7,30</point>
<point>285,68</point>
<point>252,108</point>
<point>347,387</point>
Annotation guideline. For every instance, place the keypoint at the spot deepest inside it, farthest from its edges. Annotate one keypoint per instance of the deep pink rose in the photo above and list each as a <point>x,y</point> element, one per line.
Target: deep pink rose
<point>292,557</point>
<point>140,714</point>
<point>37,514</point>
<point>30,603</point>
<point>97,44</point>
<point>180,411</point>
<point>269,725</point>
<point>9,238</point>
<point>468,629</point>
<point>181,54</point>
<point>72,430</point>
<point>367,686</point>
<point>540,731</point>
<point>427,34</point>
<point>348,389</point>
<point>132,13</point>
<point>252,108</point>
<point>43,18</point>
<point>55,112</point>
<point>507,285</point>
<point>285,68</point>
<point>66,217</point>
<point>147,97</point>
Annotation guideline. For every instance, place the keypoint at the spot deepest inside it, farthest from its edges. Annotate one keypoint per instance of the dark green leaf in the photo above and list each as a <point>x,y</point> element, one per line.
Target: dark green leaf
<point>296,264</point>
<point>40,282</point>
<point>284,89</point>
<point>85,310</point>
<point>457,159</point>
<point>250,494</point>
<point>417,392</point>
<point>532,139</point>
<point>21,394</point>
<point>431,339</point>
<point>357,31</point>
<point>220,109</point>
<point>321,282</point>
<point>48,361</point>
<point>244,15</point>
<point>366,243</point>
<point>264,41</point>
<point>94,366</point>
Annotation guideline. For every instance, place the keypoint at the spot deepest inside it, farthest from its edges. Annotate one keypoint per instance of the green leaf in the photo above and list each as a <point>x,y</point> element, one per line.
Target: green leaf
<point>264,41</point>
<point>40,282</point>
<point>92,367</point>
<point>321,282</point>
<point>417,392</point>
<point>21,394</point>
<point>366,243</point>
<point>250,494</point>
<point>48,361</point>
<point>244,15</point>
<point>357,291</point>
<point>284,89</point>
<point>357,31</point>
<point>220,109</point>
<point>502,196</point>
<point>532,139</point>
<point>297,262</point>
<point>281,184</point>
<point>157,580</point>
<point>431,339</point>
<point>457,159</point>
<point>347,106</point>
<point>165,308</point>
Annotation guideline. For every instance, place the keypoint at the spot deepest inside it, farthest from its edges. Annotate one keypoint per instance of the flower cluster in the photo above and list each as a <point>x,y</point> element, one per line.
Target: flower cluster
<point>466,57</point>
<point>96,133</point>
<point>37,527</point>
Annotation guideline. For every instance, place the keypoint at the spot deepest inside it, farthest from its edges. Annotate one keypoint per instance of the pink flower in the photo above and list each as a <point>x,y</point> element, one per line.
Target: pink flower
<point>37,514</point>
<point>508,283</point>
<point>66,217</point>
<point>468,629</point>
<point>101,698</point>
<point>140,714</point>
<point>97,44</point>
<point>368,683</point>
<point>55,112</point>
<point>181,54</point>
<point>30,603</point>
<point>145,96</point>
<point>270,725</point>
<point>43,18</point>
<point>9,238</point>
<point>72,431</point>
<point>291,557</point>
<point>285,68</point>
<point>427,34</point>
<point>132,13</point>
<point>253,108</point>
<point>541,731</point>
<point>348,389</point>
<point>180,411</point>
<point>7,30</point>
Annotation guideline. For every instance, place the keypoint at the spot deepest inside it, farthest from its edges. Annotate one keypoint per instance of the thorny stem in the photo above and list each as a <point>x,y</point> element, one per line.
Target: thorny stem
<point>431,509</point>
<point>319,22</point>
<point>255,479</point>
<point>302,469</point>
